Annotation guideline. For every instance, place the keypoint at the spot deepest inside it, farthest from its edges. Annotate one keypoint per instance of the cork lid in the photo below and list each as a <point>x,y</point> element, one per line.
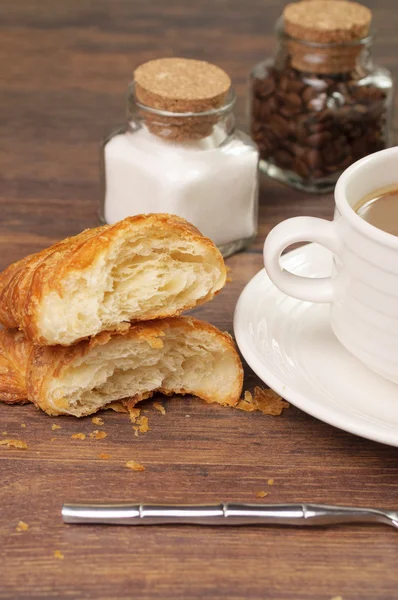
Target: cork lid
<point>327,21</point>
<point>181,85</point>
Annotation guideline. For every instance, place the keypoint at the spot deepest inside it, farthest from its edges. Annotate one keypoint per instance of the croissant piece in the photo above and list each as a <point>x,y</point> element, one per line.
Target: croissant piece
<point>142,268</point>
<point>179,355</point>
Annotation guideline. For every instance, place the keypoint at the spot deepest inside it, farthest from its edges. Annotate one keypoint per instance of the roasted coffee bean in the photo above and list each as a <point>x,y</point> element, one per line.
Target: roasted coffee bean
<point>284,83</point>
<point>299,151</point>
<point>289,111</point>
<point>298,129</point>
<point>296,86</point>
<point>301,168</point>
<point>292,101</point>
<point>325,116</point>
<point>279,125</point>
<point>283,158</point>
<point>267,89</point>
<point>319,139</point>
<point>316,126</point>
<point>270,135</point>
<point>314,159</point>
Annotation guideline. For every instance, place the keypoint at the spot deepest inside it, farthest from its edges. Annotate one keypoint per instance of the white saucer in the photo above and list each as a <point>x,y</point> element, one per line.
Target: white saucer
<point>289,344</point>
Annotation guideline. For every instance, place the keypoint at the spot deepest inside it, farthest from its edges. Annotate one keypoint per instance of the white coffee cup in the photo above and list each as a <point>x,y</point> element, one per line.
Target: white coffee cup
<point>363,286</point>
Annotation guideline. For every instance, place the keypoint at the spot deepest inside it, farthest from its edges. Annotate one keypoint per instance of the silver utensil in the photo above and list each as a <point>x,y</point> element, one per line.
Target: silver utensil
<point>225,514</point>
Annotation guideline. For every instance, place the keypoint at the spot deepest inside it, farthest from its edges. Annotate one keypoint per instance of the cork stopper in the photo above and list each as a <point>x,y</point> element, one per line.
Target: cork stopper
<point>180,85</point>
<point>339,23</point>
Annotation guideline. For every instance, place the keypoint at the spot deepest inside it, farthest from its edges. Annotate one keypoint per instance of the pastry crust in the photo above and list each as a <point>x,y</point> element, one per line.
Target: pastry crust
<point>14,357</point>
<point>142,268</point>
<point>179,355</point>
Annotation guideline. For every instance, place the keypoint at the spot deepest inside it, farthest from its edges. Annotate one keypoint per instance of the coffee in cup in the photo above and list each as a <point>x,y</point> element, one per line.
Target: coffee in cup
<point>380,209</point>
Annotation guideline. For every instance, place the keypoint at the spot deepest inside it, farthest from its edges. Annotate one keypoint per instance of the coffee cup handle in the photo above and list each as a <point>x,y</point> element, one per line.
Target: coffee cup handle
<point>292,231</point>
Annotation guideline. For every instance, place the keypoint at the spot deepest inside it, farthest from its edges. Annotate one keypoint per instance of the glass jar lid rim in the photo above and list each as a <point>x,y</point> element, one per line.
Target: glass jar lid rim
<point>221,110</point>
<point>281,33</point>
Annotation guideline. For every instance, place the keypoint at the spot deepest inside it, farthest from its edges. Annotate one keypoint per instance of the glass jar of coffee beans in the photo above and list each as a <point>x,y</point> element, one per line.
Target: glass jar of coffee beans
<point>321,103</point>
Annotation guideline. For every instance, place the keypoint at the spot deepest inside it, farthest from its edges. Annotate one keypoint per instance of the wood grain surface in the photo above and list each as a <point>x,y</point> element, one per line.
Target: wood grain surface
<point>64,71</point>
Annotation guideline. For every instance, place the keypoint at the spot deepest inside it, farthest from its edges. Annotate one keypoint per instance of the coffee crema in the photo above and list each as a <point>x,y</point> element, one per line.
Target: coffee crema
<point>380,209</point>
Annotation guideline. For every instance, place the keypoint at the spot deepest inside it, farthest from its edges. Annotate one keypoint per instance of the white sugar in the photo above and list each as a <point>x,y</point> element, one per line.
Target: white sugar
<point>211,182</point>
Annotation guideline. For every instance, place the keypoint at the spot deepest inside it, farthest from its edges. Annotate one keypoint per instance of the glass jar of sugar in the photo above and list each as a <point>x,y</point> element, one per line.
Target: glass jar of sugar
<point>180,153</point>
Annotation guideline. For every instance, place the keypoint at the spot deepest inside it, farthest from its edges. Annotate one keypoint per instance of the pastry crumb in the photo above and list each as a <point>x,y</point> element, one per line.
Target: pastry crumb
<point>78,436</point>
<point>269,402</point>
<point>22,526</point>
<point>23,425</point>
<point>337,598</point>
<point>54,427</point>
<point>159,406</point>
<point>4,433</point>
<point>53,439</point>
<point>265,400</point>
<point>142,423</point>
<point>134,466</point>
<point>270,481</point>
<point>262,494</point>
<point>104,456</point>
<point>135,431</point>
<point>98,435</point>
<point>58,554</point>
<point>97,421</point>
<point>14,443</point>
<point>134,413</point>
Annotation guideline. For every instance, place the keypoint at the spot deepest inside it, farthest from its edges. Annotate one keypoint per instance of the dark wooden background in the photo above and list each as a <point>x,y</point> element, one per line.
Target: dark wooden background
<point>64,70</point>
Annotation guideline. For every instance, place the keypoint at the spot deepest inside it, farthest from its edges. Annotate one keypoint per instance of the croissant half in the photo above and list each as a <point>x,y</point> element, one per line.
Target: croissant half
<point>179,355</point>
<point>144,267</point>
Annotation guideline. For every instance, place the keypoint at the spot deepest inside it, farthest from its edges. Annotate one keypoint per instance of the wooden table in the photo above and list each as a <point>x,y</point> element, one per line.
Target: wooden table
<point>65,67</point>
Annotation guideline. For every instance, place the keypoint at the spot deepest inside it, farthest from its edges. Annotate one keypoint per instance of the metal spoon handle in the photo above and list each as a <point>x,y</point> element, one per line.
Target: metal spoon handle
<point>224,514</point>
